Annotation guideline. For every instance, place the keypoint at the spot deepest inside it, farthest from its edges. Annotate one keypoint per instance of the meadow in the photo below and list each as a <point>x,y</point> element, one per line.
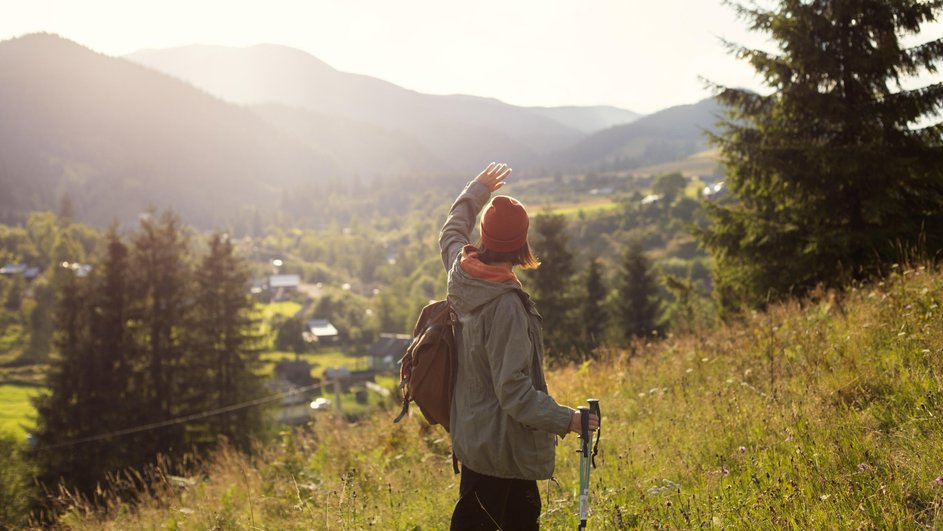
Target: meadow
<point>823,413</point>
<point>17,414</point>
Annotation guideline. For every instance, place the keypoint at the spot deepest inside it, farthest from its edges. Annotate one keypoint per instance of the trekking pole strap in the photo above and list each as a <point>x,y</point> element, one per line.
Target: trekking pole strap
<point>594,408</point>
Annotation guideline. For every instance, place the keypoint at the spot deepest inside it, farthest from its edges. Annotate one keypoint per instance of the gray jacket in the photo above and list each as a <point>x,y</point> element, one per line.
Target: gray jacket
<point>503,422</point>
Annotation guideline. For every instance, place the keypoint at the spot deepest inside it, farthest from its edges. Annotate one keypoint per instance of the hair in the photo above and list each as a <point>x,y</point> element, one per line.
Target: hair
<point>521,257</point>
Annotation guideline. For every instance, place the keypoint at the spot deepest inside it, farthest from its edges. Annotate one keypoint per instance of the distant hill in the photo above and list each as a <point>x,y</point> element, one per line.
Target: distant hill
<point>588,119</point>
<point>357,147</point>
<point>700,164</point>
<point>668,135</point>
<point>117,137</point>
<point>460,130</point>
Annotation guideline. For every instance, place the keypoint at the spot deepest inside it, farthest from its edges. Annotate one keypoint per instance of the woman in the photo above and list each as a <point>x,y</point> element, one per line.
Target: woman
<point>503,422</point>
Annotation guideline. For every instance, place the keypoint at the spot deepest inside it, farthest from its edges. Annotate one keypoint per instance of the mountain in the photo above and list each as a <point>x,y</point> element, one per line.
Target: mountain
<point>667,135</point>
<point>462,131</point>
<point>117,137</point>
<point>588,119</point>
<point>357,147</point>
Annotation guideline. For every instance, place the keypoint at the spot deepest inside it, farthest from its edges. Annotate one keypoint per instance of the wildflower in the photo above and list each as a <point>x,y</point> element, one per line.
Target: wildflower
<point>939,480</point>
<point>724,471</point>
<point>742,449</point>
<point>862,466</point>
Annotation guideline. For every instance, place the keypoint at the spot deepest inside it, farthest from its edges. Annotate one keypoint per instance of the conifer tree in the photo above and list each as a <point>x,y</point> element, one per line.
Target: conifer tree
<point>593,314</point>
<point>637,303</point>
<point>113,349</point>
<point>832,172</point>
<point>62,413</point>
<point>158,256</point>
<point>224,348</point>
<point>551,283</point>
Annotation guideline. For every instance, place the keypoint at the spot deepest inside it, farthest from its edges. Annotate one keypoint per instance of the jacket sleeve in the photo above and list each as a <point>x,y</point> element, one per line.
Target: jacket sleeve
<point>456,233</point>
<point>510,353</point>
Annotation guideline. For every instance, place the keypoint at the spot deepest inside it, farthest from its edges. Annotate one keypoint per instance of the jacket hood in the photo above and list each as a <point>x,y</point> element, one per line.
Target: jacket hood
<point>468,294</point>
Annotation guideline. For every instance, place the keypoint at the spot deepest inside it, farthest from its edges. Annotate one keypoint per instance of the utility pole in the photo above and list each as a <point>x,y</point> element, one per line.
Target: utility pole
<point>337,390</point>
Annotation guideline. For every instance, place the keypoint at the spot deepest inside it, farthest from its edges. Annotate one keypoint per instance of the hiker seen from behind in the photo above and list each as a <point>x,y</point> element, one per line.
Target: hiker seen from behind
<point>503,423</point>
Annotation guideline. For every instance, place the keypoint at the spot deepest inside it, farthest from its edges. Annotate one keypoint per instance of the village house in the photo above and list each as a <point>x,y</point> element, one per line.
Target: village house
<point>322,332</point>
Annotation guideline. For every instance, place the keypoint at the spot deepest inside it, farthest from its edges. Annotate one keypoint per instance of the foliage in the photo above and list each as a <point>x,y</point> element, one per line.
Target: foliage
<point>552,284</point>
<point>16,488</point>
<point>44,242</point>
<point>222,333</point>
<point>290,336</point>
<point>833,174</point>
<point>637,302</point>
<point>818,414</point>
<point>594,317</point>
<point>148,338</point>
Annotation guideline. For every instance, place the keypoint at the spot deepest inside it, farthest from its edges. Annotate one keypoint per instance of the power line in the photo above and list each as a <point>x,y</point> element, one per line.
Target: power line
<point>182,420</point>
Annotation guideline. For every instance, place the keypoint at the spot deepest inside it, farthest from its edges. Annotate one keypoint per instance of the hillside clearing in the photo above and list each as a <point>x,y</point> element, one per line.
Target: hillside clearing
<point>17,414</point>
<point>821,414</point>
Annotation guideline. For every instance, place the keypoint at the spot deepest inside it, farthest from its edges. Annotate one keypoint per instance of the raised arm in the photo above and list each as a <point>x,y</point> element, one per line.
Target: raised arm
<point>456,233</point>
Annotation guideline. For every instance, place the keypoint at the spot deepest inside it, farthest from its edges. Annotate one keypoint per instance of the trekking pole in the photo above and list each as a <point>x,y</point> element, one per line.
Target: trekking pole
<point>587,459</point>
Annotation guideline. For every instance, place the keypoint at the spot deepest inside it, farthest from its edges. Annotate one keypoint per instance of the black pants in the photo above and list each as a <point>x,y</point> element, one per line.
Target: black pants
<point>487,503</point>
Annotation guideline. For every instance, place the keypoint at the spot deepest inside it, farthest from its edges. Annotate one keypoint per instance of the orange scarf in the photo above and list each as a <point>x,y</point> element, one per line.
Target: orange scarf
<point>482,271</point>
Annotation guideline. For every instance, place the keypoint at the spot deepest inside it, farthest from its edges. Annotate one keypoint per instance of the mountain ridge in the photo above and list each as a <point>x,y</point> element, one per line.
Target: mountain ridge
<point>117,137</point>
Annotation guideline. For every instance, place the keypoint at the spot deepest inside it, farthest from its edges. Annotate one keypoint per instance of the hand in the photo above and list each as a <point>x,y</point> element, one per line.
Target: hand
<point>577,427</point>
<point>494,175</point>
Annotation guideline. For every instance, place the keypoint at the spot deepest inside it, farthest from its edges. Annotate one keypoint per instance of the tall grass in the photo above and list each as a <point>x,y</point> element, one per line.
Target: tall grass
<point>820,414</point>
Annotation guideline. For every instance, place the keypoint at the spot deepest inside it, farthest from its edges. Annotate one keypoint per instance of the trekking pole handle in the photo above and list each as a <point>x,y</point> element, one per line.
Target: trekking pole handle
<point>594,409</point>
<point>584,429</point>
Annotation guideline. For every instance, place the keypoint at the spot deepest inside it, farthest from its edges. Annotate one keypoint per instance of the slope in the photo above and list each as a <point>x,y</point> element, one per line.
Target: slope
<point>664,136</point>
<point>820,414</point>
<point>463,129</point>
<point>588,120</point>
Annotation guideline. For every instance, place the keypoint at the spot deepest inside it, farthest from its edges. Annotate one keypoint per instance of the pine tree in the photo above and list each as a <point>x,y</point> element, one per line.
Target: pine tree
<point>224,348</point>
<point>551,283</point>
<point>113,349</point>
<point>637,304</point>
<point>831,173</point>
<point>63,414</point>
<point>594,317</point>
<point>158,256</point>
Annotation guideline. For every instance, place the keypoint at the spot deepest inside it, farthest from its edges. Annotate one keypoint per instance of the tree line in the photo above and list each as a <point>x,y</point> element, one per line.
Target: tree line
<point>155,332</point>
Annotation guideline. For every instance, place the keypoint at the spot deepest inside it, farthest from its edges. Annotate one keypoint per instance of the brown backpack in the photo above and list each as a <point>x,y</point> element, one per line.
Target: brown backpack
<point>427,371</point>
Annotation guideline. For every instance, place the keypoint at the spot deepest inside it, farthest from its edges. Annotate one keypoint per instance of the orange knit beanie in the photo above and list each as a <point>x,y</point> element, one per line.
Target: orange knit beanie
<point>504,225</point>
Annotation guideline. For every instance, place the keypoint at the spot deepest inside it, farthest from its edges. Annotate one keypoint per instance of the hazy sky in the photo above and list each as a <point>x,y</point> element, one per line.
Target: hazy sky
<point>642,55</point>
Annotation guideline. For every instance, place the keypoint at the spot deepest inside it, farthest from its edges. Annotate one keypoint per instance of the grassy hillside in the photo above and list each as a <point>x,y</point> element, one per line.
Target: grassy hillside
<point>813,415</point>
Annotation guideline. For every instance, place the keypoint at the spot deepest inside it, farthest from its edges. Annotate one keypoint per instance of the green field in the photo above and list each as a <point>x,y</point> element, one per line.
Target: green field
<point>575,208</point>
<point>319,361</point>
<point>16,412</point>
<point>283,308</point>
